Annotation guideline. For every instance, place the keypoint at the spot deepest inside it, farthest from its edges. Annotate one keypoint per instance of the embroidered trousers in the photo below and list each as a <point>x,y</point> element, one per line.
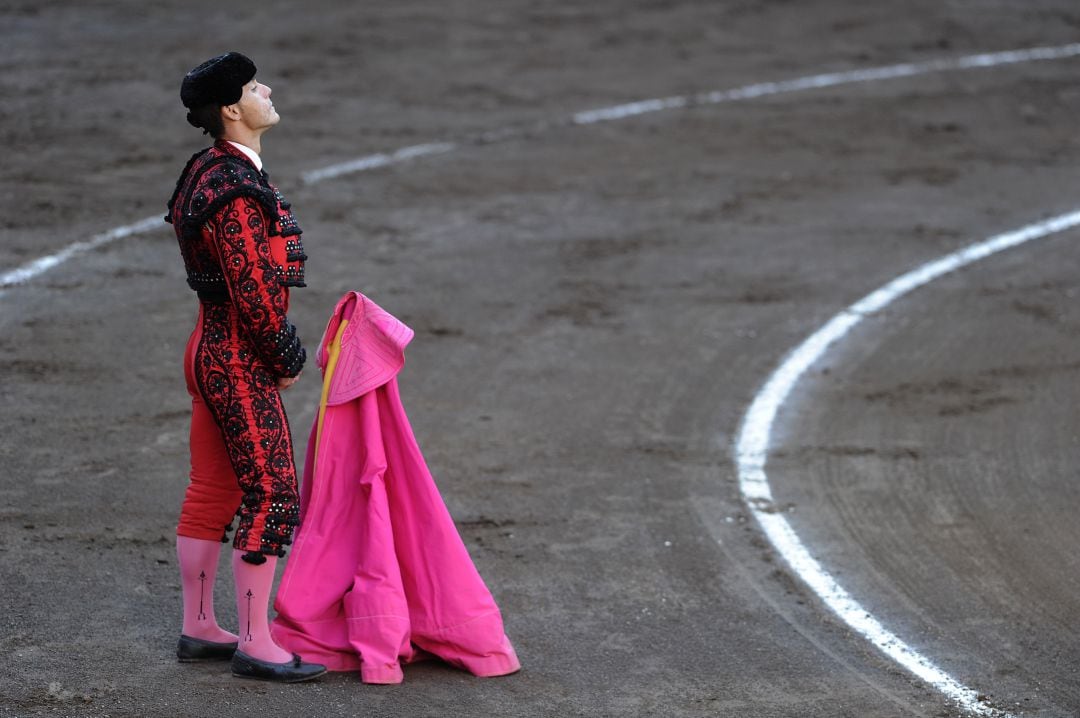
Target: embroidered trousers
<point>241,448</point>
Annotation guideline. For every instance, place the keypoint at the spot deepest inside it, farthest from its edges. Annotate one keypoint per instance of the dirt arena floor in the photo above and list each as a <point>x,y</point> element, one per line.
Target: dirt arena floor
<point>595,307</point>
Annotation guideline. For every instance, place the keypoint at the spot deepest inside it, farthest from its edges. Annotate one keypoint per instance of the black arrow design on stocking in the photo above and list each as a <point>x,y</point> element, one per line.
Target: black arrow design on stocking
<point>249,637</point>
<point>202,592</point>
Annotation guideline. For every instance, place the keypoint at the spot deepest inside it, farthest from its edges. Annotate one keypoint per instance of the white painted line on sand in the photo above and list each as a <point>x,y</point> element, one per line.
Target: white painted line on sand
<point>605,114</point>
<point>747,92</point>
<point>370,162</point>
<point>830,79</point>
<point>44,264</point>
<point>752,445</point>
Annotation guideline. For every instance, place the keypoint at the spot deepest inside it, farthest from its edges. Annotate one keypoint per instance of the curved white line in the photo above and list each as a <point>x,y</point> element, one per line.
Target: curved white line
<point>44,264</point>
<point>830,79</point>
<point>752,444</point>
<point>370,162</point>
<point>588,117</point>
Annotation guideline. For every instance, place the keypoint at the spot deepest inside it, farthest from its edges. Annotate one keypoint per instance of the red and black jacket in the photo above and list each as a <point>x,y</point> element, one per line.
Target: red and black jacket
<point>241,245</point>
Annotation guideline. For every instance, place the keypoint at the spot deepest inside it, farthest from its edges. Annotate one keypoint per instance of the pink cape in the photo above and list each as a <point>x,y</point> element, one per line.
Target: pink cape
<point>379,575</point>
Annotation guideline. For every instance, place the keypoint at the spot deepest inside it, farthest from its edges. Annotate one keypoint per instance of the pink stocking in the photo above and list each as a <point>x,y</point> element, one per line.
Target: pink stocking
<point>198,566</point>
<point>253,584</point>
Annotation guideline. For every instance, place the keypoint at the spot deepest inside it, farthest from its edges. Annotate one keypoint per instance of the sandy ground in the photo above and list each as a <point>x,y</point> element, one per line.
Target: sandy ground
<point>594,307</point>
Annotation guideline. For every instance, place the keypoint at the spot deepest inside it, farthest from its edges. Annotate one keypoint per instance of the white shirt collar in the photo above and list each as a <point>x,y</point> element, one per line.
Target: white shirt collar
<point>251,154</point>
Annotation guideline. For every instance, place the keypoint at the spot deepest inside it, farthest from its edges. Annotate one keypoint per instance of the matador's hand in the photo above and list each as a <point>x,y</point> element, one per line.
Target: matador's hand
<point>286,381</point>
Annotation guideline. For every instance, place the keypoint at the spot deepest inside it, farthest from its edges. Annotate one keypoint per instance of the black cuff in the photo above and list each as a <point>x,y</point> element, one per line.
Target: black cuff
<point>289,355</point>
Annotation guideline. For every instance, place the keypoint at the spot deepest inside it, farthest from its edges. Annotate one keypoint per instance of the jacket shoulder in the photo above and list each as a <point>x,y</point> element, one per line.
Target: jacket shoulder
<point>212,179</point>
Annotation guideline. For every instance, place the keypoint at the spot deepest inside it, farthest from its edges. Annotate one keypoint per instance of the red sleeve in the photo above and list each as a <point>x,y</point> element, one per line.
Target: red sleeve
<point>240,233</point>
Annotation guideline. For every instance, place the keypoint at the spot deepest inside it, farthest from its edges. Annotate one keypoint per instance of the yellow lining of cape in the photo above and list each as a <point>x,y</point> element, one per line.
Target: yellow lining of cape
<point>333,350</point>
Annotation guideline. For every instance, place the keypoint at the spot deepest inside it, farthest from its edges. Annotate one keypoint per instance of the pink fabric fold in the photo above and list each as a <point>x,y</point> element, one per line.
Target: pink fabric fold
<point>379,575</point>
<point>372,349</point>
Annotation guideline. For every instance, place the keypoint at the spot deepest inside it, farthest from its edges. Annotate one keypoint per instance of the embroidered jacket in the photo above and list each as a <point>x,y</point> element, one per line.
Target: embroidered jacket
<point>241,244</point>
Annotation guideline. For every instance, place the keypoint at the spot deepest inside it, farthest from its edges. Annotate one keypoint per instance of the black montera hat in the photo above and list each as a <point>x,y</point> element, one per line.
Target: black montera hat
<point>218,81</point>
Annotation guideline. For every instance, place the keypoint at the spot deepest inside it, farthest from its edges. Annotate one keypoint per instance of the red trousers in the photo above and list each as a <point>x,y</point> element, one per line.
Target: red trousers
<point>241,448</point>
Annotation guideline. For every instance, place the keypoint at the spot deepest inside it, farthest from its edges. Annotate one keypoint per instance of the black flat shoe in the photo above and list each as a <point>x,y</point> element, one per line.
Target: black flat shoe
<point>190,649</point>
<point>294,671</point>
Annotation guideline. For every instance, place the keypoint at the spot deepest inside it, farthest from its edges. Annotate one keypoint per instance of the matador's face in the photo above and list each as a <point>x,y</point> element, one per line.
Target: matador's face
<point>256,108</point>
